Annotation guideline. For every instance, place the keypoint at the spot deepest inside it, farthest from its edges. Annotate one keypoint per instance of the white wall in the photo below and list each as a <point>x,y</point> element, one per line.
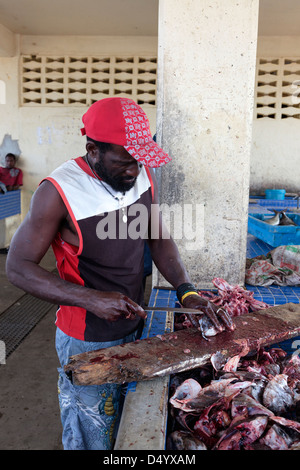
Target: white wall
<point>275,159</point>
<point>275,155</point>
<point>49,135</point>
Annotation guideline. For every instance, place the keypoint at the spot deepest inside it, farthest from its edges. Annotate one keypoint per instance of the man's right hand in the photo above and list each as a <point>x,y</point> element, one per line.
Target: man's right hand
<point>113,306</point>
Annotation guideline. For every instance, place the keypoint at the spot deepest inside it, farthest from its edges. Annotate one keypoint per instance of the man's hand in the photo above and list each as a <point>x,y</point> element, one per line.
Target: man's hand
<point>217,316</point>
<point>112,306</point>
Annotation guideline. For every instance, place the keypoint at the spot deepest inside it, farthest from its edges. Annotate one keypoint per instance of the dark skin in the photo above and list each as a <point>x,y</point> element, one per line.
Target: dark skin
<point>48,215</point>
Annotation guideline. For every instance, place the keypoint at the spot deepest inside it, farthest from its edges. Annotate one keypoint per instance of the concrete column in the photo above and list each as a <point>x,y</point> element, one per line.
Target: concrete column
<point>206,72</point>
<point>8,43</point>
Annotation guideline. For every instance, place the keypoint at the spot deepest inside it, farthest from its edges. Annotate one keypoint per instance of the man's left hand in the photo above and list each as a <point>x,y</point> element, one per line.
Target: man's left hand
<point>218,316</point>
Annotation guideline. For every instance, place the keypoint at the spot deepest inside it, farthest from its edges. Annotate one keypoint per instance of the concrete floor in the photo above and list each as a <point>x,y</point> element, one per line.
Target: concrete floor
<point>29,410</point>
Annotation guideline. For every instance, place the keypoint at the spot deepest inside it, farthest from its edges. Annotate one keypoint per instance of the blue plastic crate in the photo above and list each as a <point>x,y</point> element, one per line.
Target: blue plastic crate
<point>10,203</point>
<point>276,203</point>
<point>274,235</point>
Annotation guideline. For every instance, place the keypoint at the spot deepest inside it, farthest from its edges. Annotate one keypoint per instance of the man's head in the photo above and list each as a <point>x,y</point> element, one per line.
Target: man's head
<point>122,122</point>
<point>113,164</point>
<point>10,160</point>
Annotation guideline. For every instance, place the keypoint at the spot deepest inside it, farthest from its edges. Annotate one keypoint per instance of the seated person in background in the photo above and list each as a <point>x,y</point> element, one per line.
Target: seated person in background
<point>11,176</point>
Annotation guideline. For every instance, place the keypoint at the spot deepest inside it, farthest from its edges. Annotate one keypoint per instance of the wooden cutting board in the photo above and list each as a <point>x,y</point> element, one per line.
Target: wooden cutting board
<point>183,350</point>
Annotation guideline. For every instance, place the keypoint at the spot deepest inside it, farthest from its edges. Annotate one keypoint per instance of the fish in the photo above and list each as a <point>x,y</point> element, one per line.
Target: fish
<point>292,369</point>
<point>232,363</point>
<point>247,402</point>
<point>218,360</point>
<point>213,420</point>
<point>258,381</point>
<point>287,422</point>
<point>295,446</point>
<point>183,440</point>
<point>285,220</point>
<point>245,405</point>
<point>188,390</point>
<point>276,438</point>
<point>212,393</point>
<point>278,396</point>
<point>202,323</point>
<point>274,220</point>
<point>185,420</point>
<point>234,299</point>
<point>207,328</point>
<point>190,401</point>
<point>242,434</point>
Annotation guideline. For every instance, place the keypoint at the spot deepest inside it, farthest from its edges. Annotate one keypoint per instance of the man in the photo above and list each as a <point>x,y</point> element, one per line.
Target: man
<point>11,176</point>
<point>85,210</point>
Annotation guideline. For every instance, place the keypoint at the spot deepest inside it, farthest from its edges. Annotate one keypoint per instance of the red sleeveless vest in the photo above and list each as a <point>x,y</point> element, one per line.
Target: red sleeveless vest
<point>114,263</point>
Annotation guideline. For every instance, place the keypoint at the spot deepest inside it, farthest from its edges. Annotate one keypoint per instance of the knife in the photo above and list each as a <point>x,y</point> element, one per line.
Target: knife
<point>174,309</point>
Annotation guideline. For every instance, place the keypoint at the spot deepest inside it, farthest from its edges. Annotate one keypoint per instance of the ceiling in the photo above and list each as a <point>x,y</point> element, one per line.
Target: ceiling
<point>80,17</point>
<point>122,17</point>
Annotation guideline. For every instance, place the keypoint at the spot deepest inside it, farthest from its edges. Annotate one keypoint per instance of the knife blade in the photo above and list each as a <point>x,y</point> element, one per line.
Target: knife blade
<point>174,309</point>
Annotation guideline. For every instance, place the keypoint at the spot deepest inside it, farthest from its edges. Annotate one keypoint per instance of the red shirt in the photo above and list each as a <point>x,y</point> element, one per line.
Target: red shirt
<point>11,176</point>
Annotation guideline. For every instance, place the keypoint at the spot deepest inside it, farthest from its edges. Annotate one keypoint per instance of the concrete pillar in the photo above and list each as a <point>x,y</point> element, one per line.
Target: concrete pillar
<point>206,72</point>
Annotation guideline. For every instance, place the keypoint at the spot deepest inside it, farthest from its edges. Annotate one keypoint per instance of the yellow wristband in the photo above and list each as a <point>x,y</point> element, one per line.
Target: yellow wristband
<point>187,294</point>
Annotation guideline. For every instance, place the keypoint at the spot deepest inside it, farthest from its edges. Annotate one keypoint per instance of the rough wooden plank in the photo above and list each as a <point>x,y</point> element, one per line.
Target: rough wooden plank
<point>183,350</point>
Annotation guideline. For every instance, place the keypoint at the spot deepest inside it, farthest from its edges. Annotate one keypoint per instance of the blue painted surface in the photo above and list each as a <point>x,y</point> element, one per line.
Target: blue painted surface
<point>10,204</point>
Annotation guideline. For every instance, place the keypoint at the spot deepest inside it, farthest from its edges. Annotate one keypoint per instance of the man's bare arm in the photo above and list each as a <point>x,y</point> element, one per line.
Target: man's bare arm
<point>168,261</point>
<point>29,245</point>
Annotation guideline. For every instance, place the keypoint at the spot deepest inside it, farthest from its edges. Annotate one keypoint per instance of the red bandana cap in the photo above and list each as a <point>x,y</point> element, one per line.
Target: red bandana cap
<point>121,121</point>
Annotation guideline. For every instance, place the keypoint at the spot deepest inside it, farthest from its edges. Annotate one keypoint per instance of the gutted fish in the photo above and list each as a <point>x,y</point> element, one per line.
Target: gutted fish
<point>277,395</point>
<point>212,393</point>
<point>245,405</point>
<point>218,360</point>
<point>234,299</point>
<point>242,434</point>
<point>188,390</point>
<point>249,402</point>
<point>202,322</point>
<point>212,421</point>
<point>183,440</point>
<point>287,422</point>
<point>207,328</point>
<point>276,438</point>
